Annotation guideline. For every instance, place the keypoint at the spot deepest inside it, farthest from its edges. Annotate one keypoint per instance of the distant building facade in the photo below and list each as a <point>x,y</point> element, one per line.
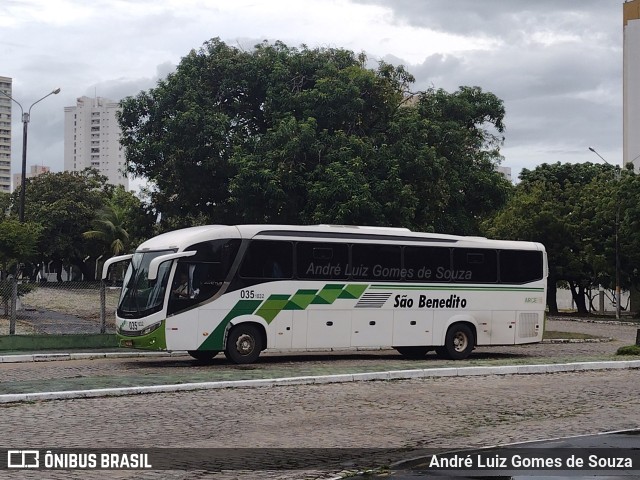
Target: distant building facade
<point>505,171</point>
<point>92,139</point>
<point>631,82</point>
<point>5,135</point>
<point>34,171</point>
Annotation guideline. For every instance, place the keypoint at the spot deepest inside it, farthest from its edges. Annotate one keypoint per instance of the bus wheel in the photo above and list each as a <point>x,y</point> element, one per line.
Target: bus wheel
<point>413,352</point>
<point>459,341</point>
<point>244,344</point>
<point>203,355</point>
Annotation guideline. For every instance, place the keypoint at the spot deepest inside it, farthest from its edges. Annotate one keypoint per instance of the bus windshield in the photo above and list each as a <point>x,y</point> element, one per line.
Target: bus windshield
<point>141,296</point>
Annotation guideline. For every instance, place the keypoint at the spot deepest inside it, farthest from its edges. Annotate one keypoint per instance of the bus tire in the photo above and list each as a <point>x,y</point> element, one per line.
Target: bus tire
<point>244,344</point>
<point>459,342</point>
<point>413,352</point>
<point>203,355</point>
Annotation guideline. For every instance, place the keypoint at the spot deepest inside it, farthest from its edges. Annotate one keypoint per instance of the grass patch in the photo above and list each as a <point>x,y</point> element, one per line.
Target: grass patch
<point>629,350</point>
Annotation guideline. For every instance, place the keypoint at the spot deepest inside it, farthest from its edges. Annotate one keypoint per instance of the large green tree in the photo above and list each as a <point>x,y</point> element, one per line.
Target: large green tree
<point>280,134</point>
<point>18,242</point>
<point>65,205</point>
<point>571,209</point>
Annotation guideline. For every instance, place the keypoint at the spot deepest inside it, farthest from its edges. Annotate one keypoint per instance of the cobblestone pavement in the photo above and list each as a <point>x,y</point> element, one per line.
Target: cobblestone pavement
<point>406,414</point>
<point>410,414</point>
<point>109,373</point>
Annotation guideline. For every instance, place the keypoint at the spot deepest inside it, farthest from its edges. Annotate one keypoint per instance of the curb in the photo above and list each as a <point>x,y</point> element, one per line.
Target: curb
<point>53,357</point>
<point>324,379</point>
<point>49,357</point>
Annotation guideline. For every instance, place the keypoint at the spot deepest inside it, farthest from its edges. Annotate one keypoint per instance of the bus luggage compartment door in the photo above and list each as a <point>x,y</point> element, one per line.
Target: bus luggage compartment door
<point>503,327</point>
<point>371,328</point>
<point>412,328</point>
<point>329,329</point>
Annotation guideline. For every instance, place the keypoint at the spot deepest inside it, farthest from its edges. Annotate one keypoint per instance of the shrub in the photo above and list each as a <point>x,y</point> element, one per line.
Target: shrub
<point>629,350</point>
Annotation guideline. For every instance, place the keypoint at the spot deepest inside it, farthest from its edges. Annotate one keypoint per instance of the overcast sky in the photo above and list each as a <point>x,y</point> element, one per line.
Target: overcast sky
<point>556,64</point>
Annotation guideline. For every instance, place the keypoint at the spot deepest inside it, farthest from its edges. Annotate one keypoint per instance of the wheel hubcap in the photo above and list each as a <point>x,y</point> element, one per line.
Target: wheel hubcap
<point>245,344</point>
<point>460,342</point>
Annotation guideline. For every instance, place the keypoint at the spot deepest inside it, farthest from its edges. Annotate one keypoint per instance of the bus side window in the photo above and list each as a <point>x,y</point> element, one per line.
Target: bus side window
<point>520,266</point>
<point>316,260</point>
<point>473,265</point>
<point>376,262</point>
<point>428,264</point>
<point>268,259</point>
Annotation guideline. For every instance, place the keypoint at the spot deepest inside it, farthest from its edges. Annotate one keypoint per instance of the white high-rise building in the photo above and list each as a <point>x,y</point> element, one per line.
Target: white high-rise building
<point>34,171</point>
<point>92,139</point>
<point>5,135</point>
<point>505,171</point>
<point>631,82</point>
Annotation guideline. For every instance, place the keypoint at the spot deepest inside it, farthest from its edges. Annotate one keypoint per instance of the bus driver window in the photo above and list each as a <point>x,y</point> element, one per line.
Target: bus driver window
<point>181,287</point>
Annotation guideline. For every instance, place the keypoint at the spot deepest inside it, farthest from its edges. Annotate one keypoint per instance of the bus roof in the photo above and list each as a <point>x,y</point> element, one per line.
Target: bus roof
<point>183,238</point>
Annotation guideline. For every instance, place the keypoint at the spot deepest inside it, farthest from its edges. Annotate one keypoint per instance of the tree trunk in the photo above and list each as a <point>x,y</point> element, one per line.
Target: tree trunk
<point>634,299</point>
<point>579,297</point>
<point>33,276</point>
<point>57,265</point>
<point>87,272</point>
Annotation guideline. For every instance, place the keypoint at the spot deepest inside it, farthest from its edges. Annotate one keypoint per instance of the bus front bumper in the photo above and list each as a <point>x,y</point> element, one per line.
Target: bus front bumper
<point>151,341</point>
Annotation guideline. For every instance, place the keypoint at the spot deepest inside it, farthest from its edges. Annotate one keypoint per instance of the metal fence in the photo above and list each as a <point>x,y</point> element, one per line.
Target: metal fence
<point>57,307</point>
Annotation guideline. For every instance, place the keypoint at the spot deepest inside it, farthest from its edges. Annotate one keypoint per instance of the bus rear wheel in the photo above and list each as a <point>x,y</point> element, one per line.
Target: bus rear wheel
<point>459,342</point>
<point>244,344</point>
<point>413,352</point>
<point>203,355</point>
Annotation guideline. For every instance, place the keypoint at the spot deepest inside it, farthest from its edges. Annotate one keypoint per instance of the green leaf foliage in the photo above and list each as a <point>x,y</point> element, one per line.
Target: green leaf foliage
<point>121,223</point>
<point>288,135</point>
<point>18,242</point>
<point>64,204</point>
<point>573,210</point>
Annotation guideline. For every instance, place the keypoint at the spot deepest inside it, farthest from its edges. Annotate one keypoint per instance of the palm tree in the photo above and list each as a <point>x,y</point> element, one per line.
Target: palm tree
<point>109,228</point>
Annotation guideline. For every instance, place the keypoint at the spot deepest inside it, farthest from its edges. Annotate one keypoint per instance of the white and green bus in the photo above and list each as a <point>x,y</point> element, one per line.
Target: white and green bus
<point>248,288</point>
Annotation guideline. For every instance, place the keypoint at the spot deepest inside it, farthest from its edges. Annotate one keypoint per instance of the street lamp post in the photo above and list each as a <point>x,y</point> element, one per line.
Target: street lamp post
<point>25,122</point>
<point>617,228</point>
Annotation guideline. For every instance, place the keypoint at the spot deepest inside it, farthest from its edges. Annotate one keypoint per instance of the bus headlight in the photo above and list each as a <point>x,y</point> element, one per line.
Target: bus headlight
<point>150,328</point>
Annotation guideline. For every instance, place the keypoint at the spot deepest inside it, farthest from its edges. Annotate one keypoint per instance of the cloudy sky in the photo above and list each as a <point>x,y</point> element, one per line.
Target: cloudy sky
<point>556,64</point>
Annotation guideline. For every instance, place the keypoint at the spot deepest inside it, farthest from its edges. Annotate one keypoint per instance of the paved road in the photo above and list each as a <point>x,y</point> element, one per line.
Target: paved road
<point>109,373</point>
<point>429,413</point>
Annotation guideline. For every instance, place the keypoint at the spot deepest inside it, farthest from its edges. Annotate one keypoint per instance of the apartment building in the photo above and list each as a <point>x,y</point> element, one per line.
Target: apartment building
<point>5,135</point>
<point>34,171</point>
<point>631,82</point>
<point>92,139</point>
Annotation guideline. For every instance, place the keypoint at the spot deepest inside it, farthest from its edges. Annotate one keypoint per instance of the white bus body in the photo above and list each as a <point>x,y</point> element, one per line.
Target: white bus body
<point>249,288</point>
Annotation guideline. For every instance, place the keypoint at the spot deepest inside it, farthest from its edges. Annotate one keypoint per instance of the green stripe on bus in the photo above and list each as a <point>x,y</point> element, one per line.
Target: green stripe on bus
<point>276,303</point>
<point>456,288</point>
<point>353,291</point>
<point>272,306</point>
<point>328,294</point>
<point>215,341</point>
<point>301,300</point>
